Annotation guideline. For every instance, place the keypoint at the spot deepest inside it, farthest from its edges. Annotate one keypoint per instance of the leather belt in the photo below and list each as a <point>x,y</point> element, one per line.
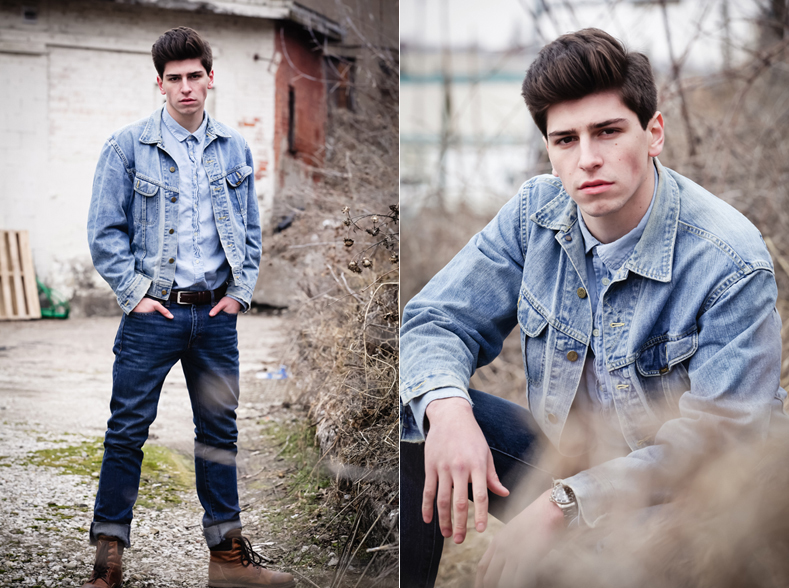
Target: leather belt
<point>197,296</point>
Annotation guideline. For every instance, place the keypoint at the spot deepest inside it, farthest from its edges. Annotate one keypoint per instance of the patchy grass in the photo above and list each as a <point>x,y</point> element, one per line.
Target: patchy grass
<point>165,474</point>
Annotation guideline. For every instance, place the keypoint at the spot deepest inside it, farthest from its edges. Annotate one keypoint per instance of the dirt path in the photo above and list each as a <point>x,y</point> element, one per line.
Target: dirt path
<point>55,382</point>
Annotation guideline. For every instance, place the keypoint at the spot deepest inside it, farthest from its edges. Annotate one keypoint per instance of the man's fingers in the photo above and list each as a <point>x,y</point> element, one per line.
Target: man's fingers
<point>493,479</point>
<point>461,508</point>
<point>161,309</point>
<point>444,501</point>
<point>428,496</point>
<point>479,490</point>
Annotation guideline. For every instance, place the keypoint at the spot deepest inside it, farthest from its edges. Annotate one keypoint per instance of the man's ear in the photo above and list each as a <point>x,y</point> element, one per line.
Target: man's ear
<point>211,79</point>
<point>553,169</point>
<point>656,135</point>
<point>159,83</point>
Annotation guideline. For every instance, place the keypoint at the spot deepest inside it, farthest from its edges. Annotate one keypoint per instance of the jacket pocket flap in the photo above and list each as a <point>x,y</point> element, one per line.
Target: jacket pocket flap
<point>660,356</point>
<point>235,178</point>
<point>144,187</point>
<point>530,320</point>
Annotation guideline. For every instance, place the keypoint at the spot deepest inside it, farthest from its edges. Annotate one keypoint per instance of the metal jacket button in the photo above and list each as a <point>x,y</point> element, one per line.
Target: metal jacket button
<point>552,418</point>
<point>172,231</point>
<point>581,292</point>
<point>572,355</point>
<point>568,237</point>
<point>172,260</point>
<point>172,169</point>
<point>173,199</point>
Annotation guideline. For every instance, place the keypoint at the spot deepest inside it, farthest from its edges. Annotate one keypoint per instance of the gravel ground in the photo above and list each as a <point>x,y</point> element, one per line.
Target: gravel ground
<point>55,379</point>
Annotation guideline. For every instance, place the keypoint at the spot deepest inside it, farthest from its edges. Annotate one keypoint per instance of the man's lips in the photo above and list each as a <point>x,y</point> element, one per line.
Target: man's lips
<point>595,186</point>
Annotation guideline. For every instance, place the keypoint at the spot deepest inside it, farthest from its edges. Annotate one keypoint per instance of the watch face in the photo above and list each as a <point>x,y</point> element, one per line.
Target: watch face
<point>560,495</point>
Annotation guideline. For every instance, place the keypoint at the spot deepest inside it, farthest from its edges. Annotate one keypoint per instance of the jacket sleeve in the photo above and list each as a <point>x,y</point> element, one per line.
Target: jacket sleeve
<point>243,289</point>
<point>110,227</point>
<point>734,394</point>
<point>459,321</point>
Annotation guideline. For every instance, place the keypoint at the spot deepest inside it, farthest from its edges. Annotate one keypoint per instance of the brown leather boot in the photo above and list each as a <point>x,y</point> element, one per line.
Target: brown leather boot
<point>241,567</point>
<point>107,571</point>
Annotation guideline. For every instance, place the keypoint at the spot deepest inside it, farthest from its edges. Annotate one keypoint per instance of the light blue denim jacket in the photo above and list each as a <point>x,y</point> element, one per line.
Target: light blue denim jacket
<point>691,334</point>
<point>133,217</point>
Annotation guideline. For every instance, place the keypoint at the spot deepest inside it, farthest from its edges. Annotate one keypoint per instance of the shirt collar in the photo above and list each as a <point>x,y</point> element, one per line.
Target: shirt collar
<point>181,133</point>
<point>615,253</point>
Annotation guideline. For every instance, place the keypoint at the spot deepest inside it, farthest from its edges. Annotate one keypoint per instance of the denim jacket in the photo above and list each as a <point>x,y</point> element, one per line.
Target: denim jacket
<point>691,335</point>
<point>133,217</point>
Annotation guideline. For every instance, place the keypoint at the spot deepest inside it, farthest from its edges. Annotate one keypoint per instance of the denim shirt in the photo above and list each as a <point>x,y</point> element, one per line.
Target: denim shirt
<point>690,333</point>
<point>133,220</point>
<point>200,262</point>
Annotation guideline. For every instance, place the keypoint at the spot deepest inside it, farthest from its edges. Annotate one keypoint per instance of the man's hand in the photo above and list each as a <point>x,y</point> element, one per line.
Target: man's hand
<point>229,305</point>
<point>149,305</point>
<point>457,453</point>
<point>517,549</point>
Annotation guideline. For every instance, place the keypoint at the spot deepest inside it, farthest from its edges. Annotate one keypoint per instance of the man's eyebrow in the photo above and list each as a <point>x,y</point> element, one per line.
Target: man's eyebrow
<point>593,126</point>
<point>191,73</point>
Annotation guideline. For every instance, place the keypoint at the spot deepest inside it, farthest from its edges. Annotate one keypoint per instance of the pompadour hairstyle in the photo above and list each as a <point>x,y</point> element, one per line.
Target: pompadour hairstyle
<point>178,44</point>
<point>586,62</point>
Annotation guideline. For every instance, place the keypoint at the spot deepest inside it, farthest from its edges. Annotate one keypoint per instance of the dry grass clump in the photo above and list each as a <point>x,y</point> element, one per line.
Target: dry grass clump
<point>727,528</point>
<point>347,339</point>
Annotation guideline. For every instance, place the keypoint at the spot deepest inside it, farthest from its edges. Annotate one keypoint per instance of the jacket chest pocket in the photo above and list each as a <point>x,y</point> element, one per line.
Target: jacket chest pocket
<point>534,337</point>
<point>239,188</point>
<point>146,202</point>
<point>661,368</point>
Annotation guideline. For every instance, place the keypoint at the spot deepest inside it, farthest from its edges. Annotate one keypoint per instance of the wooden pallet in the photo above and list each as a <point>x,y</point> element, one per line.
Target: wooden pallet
<point>18,288</point>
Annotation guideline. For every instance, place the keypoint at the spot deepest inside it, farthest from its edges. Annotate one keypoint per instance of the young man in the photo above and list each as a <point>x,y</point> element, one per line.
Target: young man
<point>174,228</point>
<point>648,324</point>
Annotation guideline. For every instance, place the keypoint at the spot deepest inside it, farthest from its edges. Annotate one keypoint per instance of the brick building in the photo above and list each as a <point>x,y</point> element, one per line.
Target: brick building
<point>76,70</point>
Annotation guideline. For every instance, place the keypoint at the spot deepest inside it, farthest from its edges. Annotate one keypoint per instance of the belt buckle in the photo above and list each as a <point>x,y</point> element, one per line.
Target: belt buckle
<point>178,297</point>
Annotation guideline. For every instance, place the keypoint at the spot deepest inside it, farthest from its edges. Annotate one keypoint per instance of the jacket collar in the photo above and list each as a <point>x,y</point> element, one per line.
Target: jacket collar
<point>152,134</point>
<point>653,256</point>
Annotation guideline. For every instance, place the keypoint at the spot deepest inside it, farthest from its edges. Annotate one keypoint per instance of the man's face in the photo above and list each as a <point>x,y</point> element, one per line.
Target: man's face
<point>602,155</point>
<point>186,85</point>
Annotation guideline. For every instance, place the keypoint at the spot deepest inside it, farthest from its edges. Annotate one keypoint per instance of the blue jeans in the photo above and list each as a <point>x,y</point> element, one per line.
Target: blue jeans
<point>515,442</point>
<point>146,346</point>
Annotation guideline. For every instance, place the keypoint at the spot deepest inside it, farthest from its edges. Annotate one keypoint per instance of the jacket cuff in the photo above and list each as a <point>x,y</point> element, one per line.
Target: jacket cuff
<point>241,294</point>
<point>593,495</point>
<point>131,297</point>
<point>413,389</point>
<point>419,405</point>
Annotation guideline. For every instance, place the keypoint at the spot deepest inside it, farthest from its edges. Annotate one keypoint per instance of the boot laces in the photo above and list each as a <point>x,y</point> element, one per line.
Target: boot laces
<point>249,555</point>
<point>100,572</point>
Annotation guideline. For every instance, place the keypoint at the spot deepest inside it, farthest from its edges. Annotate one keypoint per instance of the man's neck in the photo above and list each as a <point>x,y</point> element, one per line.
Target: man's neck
<point>191,123</point>
<point>611,227</point>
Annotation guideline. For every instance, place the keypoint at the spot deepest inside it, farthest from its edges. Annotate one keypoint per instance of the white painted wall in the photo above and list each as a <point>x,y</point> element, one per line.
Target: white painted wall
<point>83,70</point>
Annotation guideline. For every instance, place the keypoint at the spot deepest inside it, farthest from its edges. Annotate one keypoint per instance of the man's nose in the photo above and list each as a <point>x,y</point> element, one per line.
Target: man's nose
<point>589,158</point>
<point>185,87</point>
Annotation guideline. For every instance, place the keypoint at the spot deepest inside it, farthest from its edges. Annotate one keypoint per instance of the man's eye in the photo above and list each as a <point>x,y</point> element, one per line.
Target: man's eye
<point>610,131</point>
<point>565,141</point>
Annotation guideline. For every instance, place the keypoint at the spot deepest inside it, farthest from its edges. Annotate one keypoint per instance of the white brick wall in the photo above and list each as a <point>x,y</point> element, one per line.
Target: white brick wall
<point>93,75</point>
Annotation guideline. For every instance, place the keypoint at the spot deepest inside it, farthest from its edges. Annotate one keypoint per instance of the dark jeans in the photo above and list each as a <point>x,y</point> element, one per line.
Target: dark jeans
<point>147,346</point>
<point>515,442</point>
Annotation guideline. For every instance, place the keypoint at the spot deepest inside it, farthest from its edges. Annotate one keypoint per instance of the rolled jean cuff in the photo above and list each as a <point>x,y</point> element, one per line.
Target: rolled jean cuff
<point>119,530</point>
<point>215,534</point>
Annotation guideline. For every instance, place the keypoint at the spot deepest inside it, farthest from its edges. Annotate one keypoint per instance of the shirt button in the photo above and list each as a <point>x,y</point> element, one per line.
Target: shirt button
<point>596,332</point>
<point>552,418</point>
<point>172,260</point>
<point>606,281</point>
<point>572,355</point>
<point>172,169</point>
<point>581,292</point>
<point>172,231</point>
<point>173,199</point>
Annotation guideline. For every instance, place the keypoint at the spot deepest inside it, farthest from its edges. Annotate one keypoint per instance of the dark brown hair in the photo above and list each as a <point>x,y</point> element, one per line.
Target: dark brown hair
<point>585,62</point>
<point>178,44</point>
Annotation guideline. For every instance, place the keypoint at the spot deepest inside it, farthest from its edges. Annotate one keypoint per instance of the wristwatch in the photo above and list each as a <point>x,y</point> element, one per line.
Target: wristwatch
<point>564,497</point>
